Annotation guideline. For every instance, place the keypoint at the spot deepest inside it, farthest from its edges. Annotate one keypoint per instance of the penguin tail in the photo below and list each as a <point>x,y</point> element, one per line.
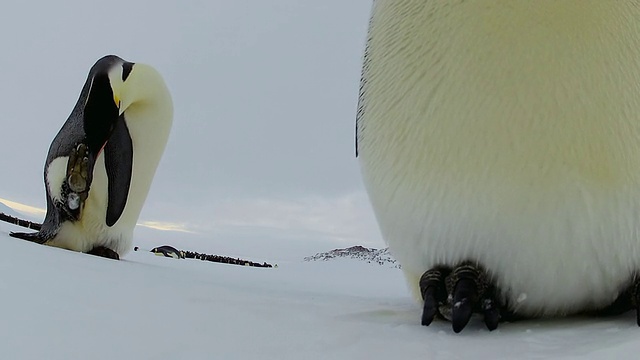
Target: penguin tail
<point>35,237</point>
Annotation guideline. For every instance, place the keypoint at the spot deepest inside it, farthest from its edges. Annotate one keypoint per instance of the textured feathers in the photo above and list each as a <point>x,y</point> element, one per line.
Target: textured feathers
<point>123,117</point>
<point>507,133</point>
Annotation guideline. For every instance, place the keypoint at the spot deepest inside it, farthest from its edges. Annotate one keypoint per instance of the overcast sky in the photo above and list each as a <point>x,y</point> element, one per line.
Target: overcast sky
<point>265,96</point>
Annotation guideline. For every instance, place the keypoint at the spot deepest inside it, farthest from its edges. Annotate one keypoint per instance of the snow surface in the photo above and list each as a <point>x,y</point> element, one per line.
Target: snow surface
<point>59,304</point>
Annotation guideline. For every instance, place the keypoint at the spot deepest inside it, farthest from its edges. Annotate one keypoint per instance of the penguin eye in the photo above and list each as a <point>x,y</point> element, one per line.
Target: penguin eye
<point>126,70</point>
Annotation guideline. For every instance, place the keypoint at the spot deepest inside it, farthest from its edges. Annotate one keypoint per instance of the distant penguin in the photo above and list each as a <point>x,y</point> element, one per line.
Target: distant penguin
<point>168,251</point>
<point>101,164</point>
<point>499,143</point>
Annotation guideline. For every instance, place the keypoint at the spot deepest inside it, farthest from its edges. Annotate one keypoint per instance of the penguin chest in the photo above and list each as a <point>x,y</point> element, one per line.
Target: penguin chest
<point>509,137</point>
<point>91,229</point>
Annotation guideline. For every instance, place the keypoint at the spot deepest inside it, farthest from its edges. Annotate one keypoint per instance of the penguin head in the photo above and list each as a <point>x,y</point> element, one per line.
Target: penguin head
<point>100,109</point>
<point>136,84</point>
<point>114,86</point>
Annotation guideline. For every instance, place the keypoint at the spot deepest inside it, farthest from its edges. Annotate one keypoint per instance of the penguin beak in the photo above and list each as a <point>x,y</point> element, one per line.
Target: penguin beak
<point>116,100</point>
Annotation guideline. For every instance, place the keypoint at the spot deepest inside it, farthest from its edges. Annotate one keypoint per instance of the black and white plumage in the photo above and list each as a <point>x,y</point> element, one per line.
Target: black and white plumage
<point>101,163</point>
<point>168,251</point>
<point>506,134</point>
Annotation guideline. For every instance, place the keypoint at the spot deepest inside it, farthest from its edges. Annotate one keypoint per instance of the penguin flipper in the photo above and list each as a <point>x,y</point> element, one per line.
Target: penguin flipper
<point>360,114</point>
<point>35,237</point>
<point>118,158</point>
<point>47,231</point>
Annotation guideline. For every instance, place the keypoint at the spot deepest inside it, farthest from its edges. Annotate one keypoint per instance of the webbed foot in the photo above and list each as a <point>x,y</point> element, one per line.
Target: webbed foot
<point>456,294</point>
<point>434,293</point>
<point>628,300</point>
<point>104,252</point>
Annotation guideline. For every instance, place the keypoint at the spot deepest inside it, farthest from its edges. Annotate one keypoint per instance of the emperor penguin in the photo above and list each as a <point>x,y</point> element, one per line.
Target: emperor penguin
<point>168,251</point>
<point>101,164</point>
<point>499,143</point>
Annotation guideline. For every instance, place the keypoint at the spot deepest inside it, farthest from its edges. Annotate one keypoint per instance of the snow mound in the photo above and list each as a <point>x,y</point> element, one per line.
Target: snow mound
<point>370,255</point>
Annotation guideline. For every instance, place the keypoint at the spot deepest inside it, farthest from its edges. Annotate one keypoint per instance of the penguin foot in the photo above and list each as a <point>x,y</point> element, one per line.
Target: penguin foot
<point>635,299</point>
<point>434,293</point>
<point>628,300</point>
<point>104,252</point>
<point>455,294</point>
<point>76,189</point>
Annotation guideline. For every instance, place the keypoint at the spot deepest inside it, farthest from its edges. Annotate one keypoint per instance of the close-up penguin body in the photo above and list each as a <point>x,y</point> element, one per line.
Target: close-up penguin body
<point>499,143</point>
<point>101,163</point>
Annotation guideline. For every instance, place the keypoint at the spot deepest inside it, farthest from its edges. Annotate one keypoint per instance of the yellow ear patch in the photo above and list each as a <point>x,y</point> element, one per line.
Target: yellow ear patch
<point>116,100</point>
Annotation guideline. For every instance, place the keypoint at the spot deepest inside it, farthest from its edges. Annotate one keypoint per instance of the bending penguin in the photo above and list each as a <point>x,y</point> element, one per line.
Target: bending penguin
<point>101,164</point>
<point>499,145</point>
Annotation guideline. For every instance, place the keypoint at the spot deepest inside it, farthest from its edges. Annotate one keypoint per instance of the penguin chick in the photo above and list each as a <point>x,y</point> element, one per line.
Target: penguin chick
<point>101,163</point>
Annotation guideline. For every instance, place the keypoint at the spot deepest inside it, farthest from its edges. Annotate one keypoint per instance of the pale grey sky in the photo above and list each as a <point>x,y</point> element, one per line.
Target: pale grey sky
<point>265,96</point>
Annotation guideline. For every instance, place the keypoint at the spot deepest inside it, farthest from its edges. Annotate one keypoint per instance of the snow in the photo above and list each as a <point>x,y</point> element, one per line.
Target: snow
<point>60,304</point>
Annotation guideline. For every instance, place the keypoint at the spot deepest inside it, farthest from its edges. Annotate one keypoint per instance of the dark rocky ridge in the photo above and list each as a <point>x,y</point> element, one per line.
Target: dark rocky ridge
<point>361,253</point>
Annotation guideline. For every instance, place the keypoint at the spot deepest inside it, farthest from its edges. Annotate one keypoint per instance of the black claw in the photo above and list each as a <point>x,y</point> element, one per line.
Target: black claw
<point>629,300</point>
<point>462,307</point>
<point>434,293</point>
<point>456,294</point>
<point>491,314</point>
<point>636,298</point>
<point>490,308</point>
<point>430,306</point>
